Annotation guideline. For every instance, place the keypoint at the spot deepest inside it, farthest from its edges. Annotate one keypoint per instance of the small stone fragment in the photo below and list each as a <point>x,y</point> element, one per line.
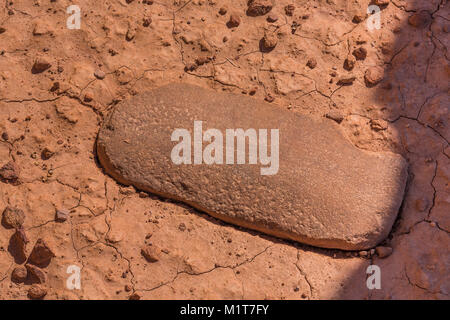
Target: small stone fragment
<point>202,60</point>
<point>335,115</point>
<point>35,274</point>
<point>2,30</point>
<point>269,98</point>
<point>99,74</point>
<point>312,63</point>
<point>357,18</point>
<point>13,218</point>
<point>151,253</point>
<point>381,3</point>
<point>143,195</point>
<point>134,296</point>
<point>268,42</point>
<point>41,255</point>
<point>234,21</point>
<point>420,19</point>
<point>131,33</point>
<point>19,274</point>
<point>204,46</point>
<point>146,21</point>
<point>327,181</point>
<point>9,173</point>
<point>378,124</point>
<point>289,9</point>
<point>421,204</point>
<point>190,66</point>
<point>18,245</point>
<point>223,11</point>
<point>349,63</point>
<point>37,292</point>
<point>373,76</point>
<point>46,154</point>
<point>41,28</point>
<point>383,252</point>
<point>55,86</point>
<point>360,53</point>
<point>5,136</point>
<point>88,97</point>
<point>259,7</point>
<point>346,81</point>
<point>272,18</point>
<point>40,65</point>
<point>61,215</point>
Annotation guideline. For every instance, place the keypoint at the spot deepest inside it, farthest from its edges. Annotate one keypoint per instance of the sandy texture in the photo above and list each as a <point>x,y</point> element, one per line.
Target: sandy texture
<point>49,122</point>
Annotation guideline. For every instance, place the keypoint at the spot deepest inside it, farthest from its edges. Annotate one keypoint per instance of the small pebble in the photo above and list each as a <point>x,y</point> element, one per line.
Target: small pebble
<point>37,292</point>
<point>373,76</point>
<point>289,10</point>
<point>272,18</point>
<point>360,53</point>
<point>40,65</point>
<point>13,218</point>
<point>383,252</point>
<point>99,74</point>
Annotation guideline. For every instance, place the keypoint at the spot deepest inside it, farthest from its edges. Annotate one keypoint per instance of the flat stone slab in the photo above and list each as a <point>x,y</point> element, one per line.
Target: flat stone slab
<point>322,191</point>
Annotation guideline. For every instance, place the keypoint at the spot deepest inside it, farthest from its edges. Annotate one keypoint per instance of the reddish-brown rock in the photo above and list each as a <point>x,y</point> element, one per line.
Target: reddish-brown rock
<point>234,20</point>
<point>383,252</point>
<point>19,274</point>
<point>326,192</point>
<point>151,253</point>
<point>18,245</point>
<point>37,292</point>
<point>373,76</point>
<point>360,53</point>
<point>9,172</point>
<point>268,42</point>
<point>41,254</point>
<point>259,7</point>
<point>349,63</point>
<point>35,274</point>
<point>420,19</point>
<point>40,65</point>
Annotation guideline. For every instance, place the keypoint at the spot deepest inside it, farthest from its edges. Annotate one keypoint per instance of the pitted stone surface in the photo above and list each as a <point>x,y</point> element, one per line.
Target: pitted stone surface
<point>327,192</point>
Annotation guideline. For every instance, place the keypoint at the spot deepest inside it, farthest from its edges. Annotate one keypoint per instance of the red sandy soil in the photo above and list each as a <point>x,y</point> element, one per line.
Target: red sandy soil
<point>49,121</point>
